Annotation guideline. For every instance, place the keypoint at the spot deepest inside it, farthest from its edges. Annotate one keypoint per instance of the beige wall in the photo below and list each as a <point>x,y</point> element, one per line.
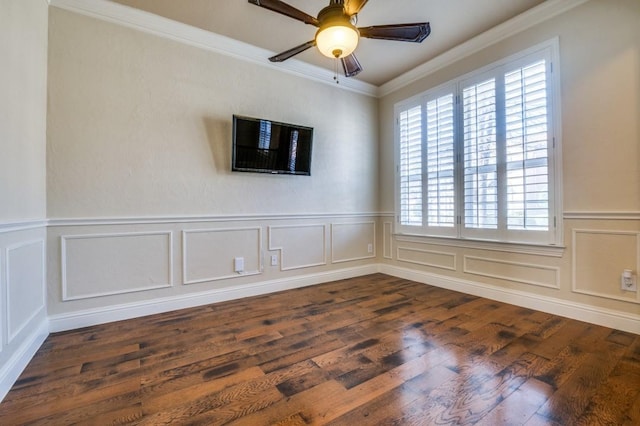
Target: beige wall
<point>23,94</point>
<point>141,126</point>
<point>600,78</point>
<point>23,100</point>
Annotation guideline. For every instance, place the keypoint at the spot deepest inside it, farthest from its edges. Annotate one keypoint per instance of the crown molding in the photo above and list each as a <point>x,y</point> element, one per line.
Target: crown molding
<point>163,27</point>
<point>517,24</point>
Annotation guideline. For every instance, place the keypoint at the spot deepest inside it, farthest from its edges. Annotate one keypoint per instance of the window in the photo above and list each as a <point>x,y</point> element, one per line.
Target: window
<point>478,157</point>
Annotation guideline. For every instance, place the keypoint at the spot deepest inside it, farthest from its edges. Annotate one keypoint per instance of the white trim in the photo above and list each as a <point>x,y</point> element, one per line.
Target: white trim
<point>11,334</point>
<point>518,24</point>
<point>351,259</point>
<point>555,269</point>
<point>149,220</point>
<point>574,261</point>
<point>186,281</point>
<point>166,28</point>
<point>73,320</point>
<point>63,263</point>
<point>440,253</point>
<point>22,225</point>
<point>602,215</point>
<point>16,364</point>
<point>547,51</point>
<point>538,250</point>
<point>271,247</point>
<point>3,305</point>
<point>386,225</point>
<point>578,311</point>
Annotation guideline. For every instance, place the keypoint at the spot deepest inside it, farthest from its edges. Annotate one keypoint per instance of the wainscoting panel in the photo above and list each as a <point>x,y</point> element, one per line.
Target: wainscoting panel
<point>352,241</point>
<point>519,272</point>
<point>107,264</point>
<point>432,258</point>
<point>387,240</point>
<point>23,310</point>
<point>300,246</point>
<point>599,258</point>
<point>25,284</point>
<point>208,254</point>
<point>3,305</point>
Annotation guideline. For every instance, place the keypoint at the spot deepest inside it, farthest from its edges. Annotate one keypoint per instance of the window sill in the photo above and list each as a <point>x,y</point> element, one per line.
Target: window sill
<point>522,248</point>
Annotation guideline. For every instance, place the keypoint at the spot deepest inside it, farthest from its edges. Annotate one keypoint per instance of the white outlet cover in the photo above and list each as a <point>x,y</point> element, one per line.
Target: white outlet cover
<point>624,285</point>
<point>238,264</point>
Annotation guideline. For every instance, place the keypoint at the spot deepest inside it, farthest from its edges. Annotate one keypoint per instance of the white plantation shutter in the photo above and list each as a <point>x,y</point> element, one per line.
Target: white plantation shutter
<point>410,126</point>
<point>527,147</point>
<point>477,156</point>
<point>480,157</point>
<point>440,166</point>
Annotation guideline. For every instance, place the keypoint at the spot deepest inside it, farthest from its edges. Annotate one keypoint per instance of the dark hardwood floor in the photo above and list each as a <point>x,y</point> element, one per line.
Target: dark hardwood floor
<point>373,350</point>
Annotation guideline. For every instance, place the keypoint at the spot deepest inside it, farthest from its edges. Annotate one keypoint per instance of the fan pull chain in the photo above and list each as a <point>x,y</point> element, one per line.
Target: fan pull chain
<point>335,70</point>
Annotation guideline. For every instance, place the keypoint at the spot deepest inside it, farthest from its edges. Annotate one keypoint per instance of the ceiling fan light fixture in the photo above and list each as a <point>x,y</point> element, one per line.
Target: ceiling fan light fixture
<point>337,40</point>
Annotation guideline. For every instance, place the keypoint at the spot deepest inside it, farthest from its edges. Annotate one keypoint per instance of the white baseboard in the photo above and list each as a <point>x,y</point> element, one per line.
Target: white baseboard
<point>16,364</point>
<point>578,311</point>
<point>85,318</point>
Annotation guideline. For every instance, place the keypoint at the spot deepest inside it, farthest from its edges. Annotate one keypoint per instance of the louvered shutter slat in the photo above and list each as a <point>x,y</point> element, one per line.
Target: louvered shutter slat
<point>411,166</point>
<point>527,152</point>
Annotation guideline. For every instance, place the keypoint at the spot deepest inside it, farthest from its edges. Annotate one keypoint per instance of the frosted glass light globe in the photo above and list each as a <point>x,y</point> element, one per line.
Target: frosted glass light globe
<point>337,41</point>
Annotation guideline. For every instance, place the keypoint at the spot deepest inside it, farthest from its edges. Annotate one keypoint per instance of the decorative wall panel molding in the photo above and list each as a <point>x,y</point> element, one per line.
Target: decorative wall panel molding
<point>95,265</point>
<point>300,246</point>
<point>25,285</point>
<point>519,272</point>
<point>431,258</point>
<point>387,240</point>
<point>3,310</point>
<point>353,241</point>
<point>599,258</point>
<point>208,254</point>
<point>538,250</point>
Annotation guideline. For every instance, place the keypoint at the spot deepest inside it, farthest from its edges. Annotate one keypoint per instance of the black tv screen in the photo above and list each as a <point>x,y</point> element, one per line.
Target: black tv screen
<point>267,146</point>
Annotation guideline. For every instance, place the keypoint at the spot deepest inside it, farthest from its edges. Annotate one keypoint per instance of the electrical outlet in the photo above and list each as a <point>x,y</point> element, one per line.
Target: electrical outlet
<point>628,281</point>
<point>238,264</point>
<point>274,260</point>
<point>370,248</point>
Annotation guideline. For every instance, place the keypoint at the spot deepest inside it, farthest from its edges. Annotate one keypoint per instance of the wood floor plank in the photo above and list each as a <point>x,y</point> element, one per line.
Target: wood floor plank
<point>364,351</point>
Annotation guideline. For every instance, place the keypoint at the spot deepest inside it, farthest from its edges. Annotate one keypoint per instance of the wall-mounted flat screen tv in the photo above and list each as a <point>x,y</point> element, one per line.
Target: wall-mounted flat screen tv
<point>266,146</point>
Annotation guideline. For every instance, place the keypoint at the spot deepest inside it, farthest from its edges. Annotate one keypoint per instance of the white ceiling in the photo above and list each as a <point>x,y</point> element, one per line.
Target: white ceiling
<point>452,22</point>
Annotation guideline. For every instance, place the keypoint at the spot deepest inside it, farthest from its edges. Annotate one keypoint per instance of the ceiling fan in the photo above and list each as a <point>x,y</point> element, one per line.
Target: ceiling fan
<point>337,36</point>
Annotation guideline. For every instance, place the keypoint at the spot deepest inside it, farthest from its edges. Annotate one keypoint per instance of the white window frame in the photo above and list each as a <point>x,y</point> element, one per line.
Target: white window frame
<point>549,51</point>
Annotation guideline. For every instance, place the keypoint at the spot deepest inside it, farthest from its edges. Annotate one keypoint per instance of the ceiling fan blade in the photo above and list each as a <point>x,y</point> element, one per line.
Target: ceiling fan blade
<point>354,6</point>
<point>287,10</point>
<point>292,52</point>
<point>399,32</point>
<point>351,66</point>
